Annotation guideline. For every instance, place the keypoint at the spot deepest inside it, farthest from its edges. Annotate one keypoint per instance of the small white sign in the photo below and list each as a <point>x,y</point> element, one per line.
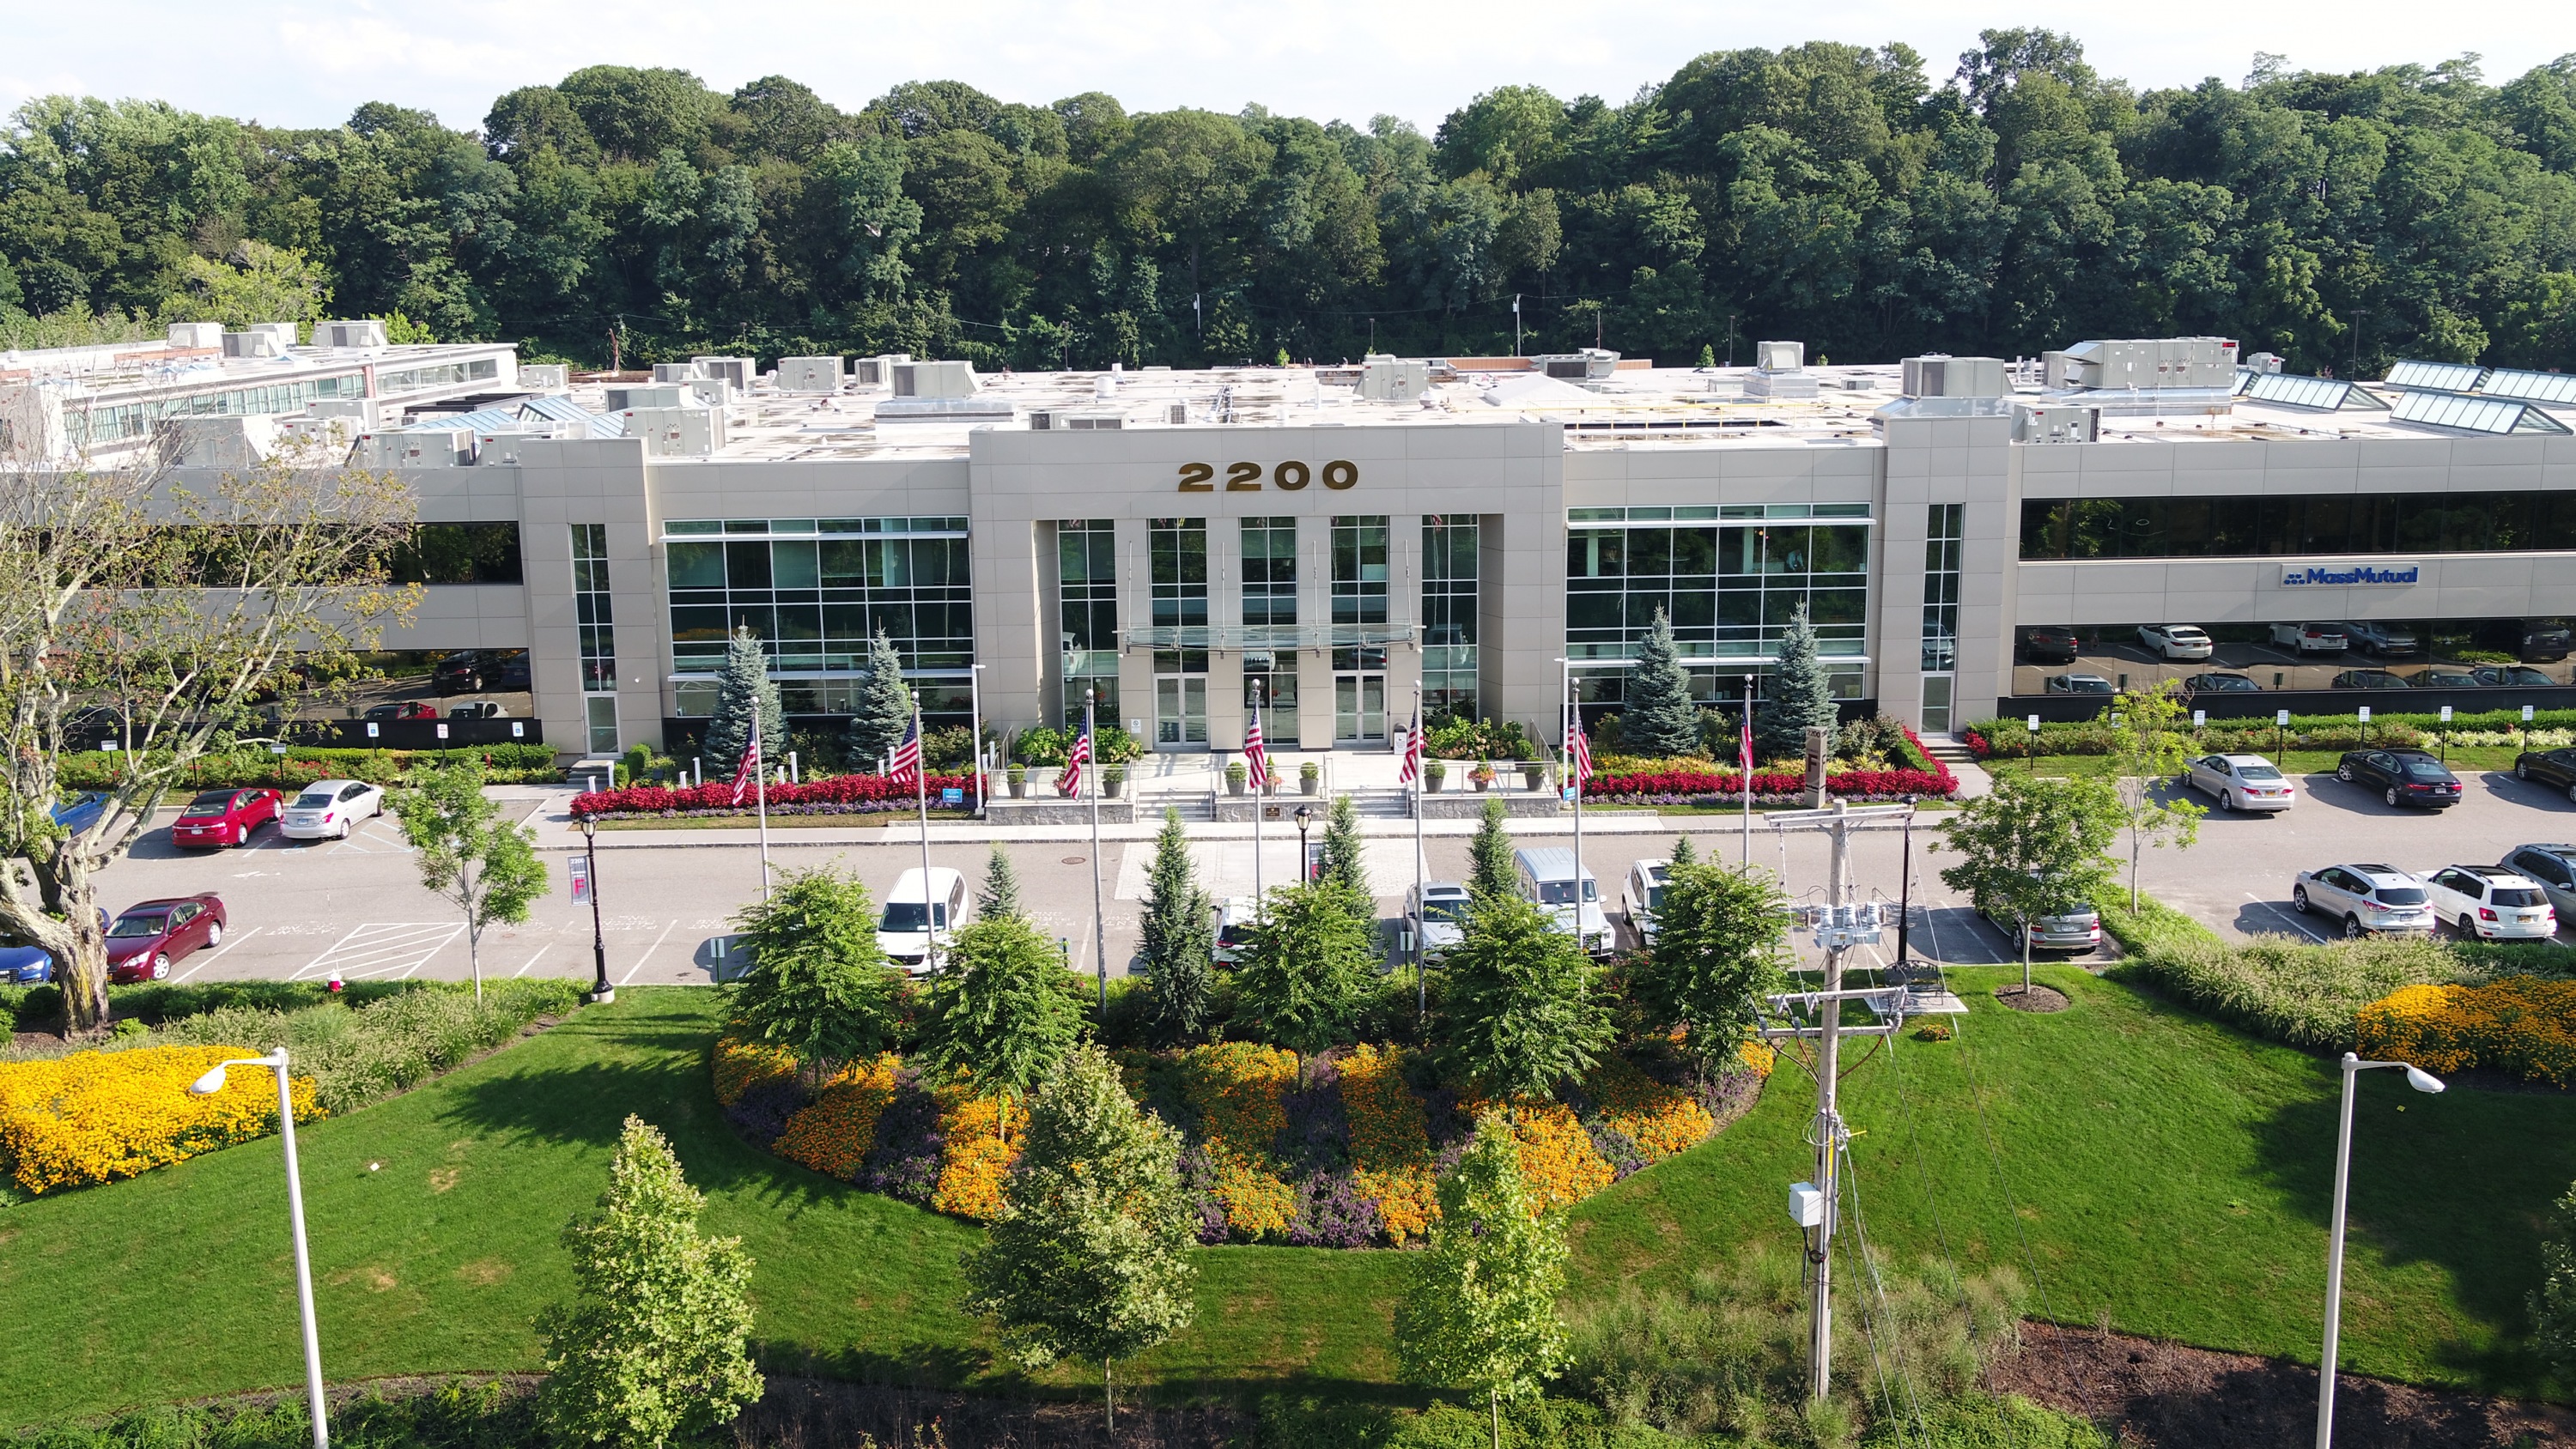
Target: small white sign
<point>2199,717</point>
<point>580,881</point>
<point>373,729</point>
<point>442,729</point>
<point>110,746</point>
<point>2446,714</point>
<point>518,729</point>
<point>2365,714</point>
<point>2281,717</point>
<point>2526,714</point>
<point>2034,724</point>
<point>277,749</point>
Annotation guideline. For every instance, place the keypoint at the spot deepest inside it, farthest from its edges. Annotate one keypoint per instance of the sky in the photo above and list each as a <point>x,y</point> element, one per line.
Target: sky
<point>303,63</point>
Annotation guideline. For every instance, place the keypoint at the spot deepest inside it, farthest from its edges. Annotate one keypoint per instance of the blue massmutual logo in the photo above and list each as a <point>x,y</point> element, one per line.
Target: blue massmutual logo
<point>2294,576</point>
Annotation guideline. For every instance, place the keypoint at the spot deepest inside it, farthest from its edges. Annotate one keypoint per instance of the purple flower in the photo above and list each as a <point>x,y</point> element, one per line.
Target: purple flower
<point>904,1160</point>
<point>761,1112</point>
<point>1332,1214</point>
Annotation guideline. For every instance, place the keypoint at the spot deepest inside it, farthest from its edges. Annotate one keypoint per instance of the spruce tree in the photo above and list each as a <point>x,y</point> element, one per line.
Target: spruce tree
<point>655,1344</point>
<point>884,708</point>
<point>744,692</point>
<point>1659,718</point>
<point>1480,1310</point>
<point>1001,893</point>
<point>1523,1013</point>
<point>1179,939</point>
<point>1342,867</point>
<point>1801,696</point>
<point>1090,1258</point>
<point>1489,855</point>
<point>1684,852</point>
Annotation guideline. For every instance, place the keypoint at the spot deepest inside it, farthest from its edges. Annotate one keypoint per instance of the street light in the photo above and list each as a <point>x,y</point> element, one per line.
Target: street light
<point>600,991</point>
<point>1305,863</point>
<point>2353,1067</point>
<point>206,1086</point>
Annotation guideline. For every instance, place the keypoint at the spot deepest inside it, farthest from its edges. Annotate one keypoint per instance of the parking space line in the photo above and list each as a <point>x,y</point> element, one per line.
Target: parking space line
<point>541,950</point>
<point>648,951</point>
<point>2300,925</point>
<point>379,948</point>
<point>201,961</point>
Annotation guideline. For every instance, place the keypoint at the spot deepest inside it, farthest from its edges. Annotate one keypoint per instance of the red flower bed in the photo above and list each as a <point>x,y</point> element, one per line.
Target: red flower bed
<point>839,790</point>
<point>1848,782</point>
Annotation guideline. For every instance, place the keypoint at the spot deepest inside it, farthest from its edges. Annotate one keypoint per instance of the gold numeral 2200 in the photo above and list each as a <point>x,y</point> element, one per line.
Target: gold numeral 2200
<point>1246,477</point>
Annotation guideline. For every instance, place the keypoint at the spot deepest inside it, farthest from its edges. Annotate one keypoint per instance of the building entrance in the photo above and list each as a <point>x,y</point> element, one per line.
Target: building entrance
<point>1180,700</point>
<point>1359,696</point>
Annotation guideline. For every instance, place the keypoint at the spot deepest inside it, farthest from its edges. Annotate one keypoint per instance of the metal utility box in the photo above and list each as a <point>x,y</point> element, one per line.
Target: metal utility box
<point>2139,363</point>
<point>877,371</point>
<point>1779,356</point>
<point>675,371</point>
<point>932,379</point>
<point>676,432</point>
<point>712,392</point>
<point>734,372</point>
<point>809,374</point>
<point>1938,376</point>
<point>417,448</point>
<point>647,395</point>
<point>2056,423</point>
<point>1390,379</point>
<point>254,344</point>
<point>545,376</point>
<point>366,332</point>
<point>196,334</point>
<point>1806,1205</point>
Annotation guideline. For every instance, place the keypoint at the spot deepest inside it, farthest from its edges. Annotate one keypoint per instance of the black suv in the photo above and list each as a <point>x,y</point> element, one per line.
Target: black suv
<point>2530,640</point>
<point>472,671</point>
<point>2548,767</point>
<point>2048,644</point>
<point>2403,777</point>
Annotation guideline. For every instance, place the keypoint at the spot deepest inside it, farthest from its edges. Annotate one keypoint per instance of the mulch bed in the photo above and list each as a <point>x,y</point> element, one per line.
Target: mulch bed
<point>2165,1396</point>
<point>2039,999</point>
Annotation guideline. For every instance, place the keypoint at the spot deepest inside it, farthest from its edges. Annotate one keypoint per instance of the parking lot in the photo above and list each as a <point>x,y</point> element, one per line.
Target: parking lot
<point>2116,655</point>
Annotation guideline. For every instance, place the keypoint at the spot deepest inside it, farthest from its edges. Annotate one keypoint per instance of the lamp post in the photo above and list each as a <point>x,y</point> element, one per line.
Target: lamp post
<point>206,1086</point>
<point>2353,1067</point>
<point>601,992</point>
<point>1305,863</point>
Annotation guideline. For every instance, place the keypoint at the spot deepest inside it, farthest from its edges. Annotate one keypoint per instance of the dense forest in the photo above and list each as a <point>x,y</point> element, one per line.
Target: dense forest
<point>1830,193</point>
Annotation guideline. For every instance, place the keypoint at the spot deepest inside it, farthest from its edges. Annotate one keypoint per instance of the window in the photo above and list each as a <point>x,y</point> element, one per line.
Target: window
<point>1359,569</point>
<point>113,422</point>
<point>817,591</point>
<point>1087,603</point>
<point>1179,550</point>
<point>1449,663</point>
<point>1270,571</point>
<point>443,374</point>
<point>1729,588</point>
<point>2331,523</point>
<point>458,553</point>
<point>590,601</point>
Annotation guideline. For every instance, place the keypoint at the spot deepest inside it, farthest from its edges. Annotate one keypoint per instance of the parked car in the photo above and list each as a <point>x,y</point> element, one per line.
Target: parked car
<point>2490,903</point>
<point>2176,641</point>
<point>402,709</point>
<point>2368,899</point>
<point>917,912</point>
<point>477,709</point>
<point>2311,638</point>
<point>2444,679</point>
<point>1642,895</point>
<point>472,671</point>
<point>2196,684</point>
<point>2241,782</point>
<point>2048,644</point>
<point>80,810</point>
<point>2554,867</point>
<point>2078,684</point>
<point>2077,930</point>
<point>2541,640</point>
<point>2511,676</point>
<point>2403,777</point>
<point>1438,911</point>
<point>1234,927</point>
<point>2374,636</point>
<point>150,938</point>
<point>2368,679</point>
<point>2548,767</point>
<point>217,818</point>
<point>34,965</point>
<point>330,809</point>
<point>1550,880</point>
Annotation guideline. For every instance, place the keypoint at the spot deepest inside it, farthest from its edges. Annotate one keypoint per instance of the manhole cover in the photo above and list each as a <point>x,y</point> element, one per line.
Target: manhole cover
<point>1076,859</point>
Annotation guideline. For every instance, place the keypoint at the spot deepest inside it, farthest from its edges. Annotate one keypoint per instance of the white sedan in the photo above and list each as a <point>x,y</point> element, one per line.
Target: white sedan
<point>2241,782</point>
<point>330,809</point>
<point>2176,641</point>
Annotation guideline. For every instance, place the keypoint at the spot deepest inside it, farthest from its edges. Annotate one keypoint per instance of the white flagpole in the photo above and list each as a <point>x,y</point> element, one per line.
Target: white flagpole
<point>930,904</point>
<point>1099,898</point>
<point>1744,764</point>
<point>1421,907</point>
<point>1574,767</point>
<point>1260,793</point>
<point>760,798</point>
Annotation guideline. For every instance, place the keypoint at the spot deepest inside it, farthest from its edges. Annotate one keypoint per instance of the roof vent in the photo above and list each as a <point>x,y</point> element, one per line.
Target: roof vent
<point>253,344</point>
<point>1939,375</point>
<point>932,379</point>
<point>194,335</point>
<point>364,333</point>
<point>734,371</point>
<point>1779,371</point>
<point>809,374</point>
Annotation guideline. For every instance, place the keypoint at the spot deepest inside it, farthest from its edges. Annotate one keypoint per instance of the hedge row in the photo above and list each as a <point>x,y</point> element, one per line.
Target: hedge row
<point>40,1008</point>
<point>504,764</point>
<point>838,790</point>
<point>2011,737</point>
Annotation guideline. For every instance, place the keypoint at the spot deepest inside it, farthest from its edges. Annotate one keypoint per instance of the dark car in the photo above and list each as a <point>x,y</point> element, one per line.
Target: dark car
<point>218,818</point>
<point>33,965</point>
<point>2219,684</point>
<point>2403,777</point>
<point>2511,676</point>
<point>2533,639</point>
<point>471,671</point>
<point>403,709</point>
<point>2548,767</point>
<point>2368,679</point>
<point>85,728</point>
<point>149,939</point>
<point>2048,644</point>
<point>2444,679</point>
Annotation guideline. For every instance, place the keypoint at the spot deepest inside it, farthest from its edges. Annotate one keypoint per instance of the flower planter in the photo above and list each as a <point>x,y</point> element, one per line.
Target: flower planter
<point>1234,786</point>
<point>1310,780</point>
<point>1431,780</point>
<point>1534,777</point>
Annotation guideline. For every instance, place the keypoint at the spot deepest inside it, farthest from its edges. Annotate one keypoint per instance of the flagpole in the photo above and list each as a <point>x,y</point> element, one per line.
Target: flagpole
<point>1259,789</point>
<point>760,799</point>
<point>1572,719</point>
<point>930,904</point>
<point>1744,767</point>
<point>1421,907</point>
<point>1099,905</point>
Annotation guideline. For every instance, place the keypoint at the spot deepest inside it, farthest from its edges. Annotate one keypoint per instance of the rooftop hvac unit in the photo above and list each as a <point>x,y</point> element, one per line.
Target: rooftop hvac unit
<point>647,395</point>
<point>284,332</point>
<point>1566,366</point>
<point>337,407</point>
<point>1041,420</point>
<point>235,440</point>
<point>932,379</point>
<point>366,332</point>
<point>1779,356</point>
<point>196,334</point>
<point>877,371</point>
<point>2138,363</point>
<point>1388,379</point>
<point>2265,363</point>
<point>676,432</point>
<point>809,374</point>
<point>2056,422</point>
<point>735,372</point>
<point>417,448</point>
<point>545,376</point>
<point>712,392</point>
<point>253,345</point>
<point>319,438</point>
<point>675,371</point>
<point>1096,422</point>
<point>1941,376</point>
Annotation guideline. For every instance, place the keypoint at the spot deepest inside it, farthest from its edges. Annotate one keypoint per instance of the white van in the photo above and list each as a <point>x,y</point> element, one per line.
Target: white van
<point>913,913</point>
<point>1549,880</point>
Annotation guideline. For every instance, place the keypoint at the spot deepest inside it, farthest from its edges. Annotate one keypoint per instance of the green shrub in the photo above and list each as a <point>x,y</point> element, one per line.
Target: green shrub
<point>366,1053</point>
<point>40,1008</point>
<point>2303,994</point>
<point>457,1415</point>
<point>521,763</point>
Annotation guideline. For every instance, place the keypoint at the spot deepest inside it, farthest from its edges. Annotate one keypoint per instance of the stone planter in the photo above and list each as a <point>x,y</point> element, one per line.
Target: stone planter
<point>1310,782</point>
<point>1432,780</point>
<point>1234,786</point>
<point>1019,785</point>
<point>1534,776</point>
<point>1111,785</point>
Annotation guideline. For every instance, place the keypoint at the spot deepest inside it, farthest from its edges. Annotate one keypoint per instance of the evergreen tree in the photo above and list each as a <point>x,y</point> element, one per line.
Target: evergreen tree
<point>1801,696</point>
<point>1522,1013</point>
<point>1720,943</point>
<point>1090,1258</point>
<point>1341,865</point>
<point>1001,893</point>
<point>1002,1012</point>
<point>654,1346</point>
<point>1659,717</point>
<point>744,691</point>
<point>1305,971</point>
<point>1180,939</point>
<point>1489,855</point>
<point>817,984</point>
<point>884,708</point>
<point>1480,1309</point>
<point>1684,852</point>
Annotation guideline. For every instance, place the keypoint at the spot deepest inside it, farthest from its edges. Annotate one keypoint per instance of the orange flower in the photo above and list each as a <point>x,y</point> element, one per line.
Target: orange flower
<point>976,1159</point>
<point>1661,1120</point>
<point>742,1065</point>
<point>2517,1024</point>
<point>834,1133</point>
<point>1390,1141</point>
<point>98,1116</point>
<point>1235,1089</point>
<point>1557,1157</point>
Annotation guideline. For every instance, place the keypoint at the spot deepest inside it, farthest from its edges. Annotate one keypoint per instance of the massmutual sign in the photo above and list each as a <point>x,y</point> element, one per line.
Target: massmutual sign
<point>2299,576</point>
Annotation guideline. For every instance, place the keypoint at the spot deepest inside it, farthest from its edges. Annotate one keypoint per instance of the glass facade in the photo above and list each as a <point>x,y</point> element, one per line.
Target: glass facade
<point>1270,571</point>
<point>1449,562</point>
<point>2316,523</point>
<point>1086,553</point>
<point>1728,587</point>
<point>598,635</point>
<point>1942,531</point>
<point>114,422</point>
<point>1359,569</point>
<point>1178,547</point>
<point>815,591</point>
<point>1270,675</point>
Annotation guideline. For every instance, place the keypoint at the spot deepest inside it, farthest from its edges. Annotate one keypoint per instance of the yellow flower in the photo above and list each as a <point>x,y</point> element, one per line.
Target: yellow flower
<point>2518,1024</point>
<point>1661,1120</point>
<point>98,1116</point>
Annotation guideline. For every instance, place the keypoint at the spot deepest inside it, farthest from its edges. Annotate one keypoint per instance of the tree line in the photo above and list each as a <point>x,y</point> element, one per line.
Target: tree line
<point>1854,198</point>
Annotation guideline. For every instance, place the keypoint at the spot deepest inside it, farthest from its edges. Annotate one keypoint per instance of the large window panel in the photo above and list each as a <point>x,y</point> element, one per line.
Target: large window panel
<point>2290,524</point>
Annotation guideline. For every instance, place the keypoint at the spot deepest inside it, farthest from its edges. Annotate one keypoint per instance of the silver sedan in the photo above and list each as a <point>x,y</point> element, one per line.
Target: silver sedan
<point>2241,782</point>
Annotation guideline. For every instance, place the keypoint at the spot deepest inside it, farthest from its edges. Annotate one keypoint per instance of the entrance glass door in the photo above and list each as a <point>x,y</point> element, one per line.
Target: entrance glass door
<point>1180,711</point>
<point>1359,709</point>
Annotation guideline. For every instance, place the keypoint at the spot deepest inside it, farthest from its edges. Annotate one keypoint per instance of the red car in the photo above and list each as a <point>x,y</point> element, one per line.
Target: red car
<point>149,938</point>
<point>219,818</point>
<point>406,709</point>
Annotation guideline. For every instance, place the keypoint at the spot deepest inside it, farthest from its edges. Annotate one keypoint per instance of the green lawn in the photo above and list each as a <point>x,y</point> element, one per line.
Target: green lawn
<point>2168,1171</point>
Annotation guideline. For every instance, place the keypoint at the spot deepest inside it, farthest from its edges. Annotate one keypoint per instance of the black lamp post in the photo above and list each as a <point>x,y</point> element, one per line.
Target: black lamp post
<point>600,990</point>
<point>1305,863</point>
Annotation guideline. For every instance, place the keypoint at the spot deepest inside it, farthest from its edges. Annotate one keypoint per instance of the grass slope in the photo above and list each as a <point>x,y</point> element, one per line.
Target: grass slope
<point>2169,1172</point>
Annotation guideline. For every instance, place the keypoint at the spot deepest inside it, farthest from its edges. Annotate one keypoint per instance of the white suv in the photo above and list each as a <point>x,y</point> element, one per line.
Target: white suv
<point>2176,641</point>
<point>2489,902</point>
<point>2368,898</point>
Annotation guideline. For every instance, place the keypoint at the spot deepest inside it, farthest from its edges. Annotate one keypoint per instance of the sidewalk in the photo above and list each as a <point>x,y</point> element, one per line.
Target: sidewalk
<point>556,830</point>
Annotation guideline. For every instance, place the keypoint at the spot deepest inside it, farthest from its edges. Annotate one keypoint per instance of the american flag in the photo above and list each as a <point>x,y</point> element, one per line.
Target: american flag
<point>1582,755</point>
<point>1256,755</point>
<point>1744,744</point>
<point>1412,751</point>
<point>905,766</point>
<point>747,774</point>
<point>1070,783</point>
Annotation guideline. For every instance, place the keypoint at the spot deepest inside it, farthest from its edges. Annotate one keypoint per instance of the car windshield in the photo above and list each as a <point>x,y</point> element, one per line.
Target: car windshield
<point>209,804</point>
<point>908,916</point>
<point>2257,772</point>
<point>2425,770</point>
<point>2400,895</point>
<point>1234,933</point>
<point>2516,896</point>
<point>314,799</point>
<point>140,923</point>
<point>1561,893</point>
<point>1444,908</point>
<point>1654,898</point>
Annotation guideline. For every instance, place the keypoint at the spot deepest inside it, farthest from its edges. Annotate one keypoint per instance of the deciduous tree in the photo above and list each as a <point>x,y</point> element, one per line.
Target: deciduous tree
<point>468,855</point>
<point>1002,1012</point>
<point>1721,942</point>
<point>1479,1311</point>
<point>1305,970</point>
<point>2148,749</point>
<point>1523,1012</point>
<point>2035,847</point>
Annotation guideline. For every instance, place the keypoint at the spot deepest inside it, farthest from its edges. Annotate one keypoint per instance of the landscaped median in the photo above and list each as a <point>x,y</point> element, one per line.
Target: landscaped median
<point>1908,772</point>
<point>839,795</point>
